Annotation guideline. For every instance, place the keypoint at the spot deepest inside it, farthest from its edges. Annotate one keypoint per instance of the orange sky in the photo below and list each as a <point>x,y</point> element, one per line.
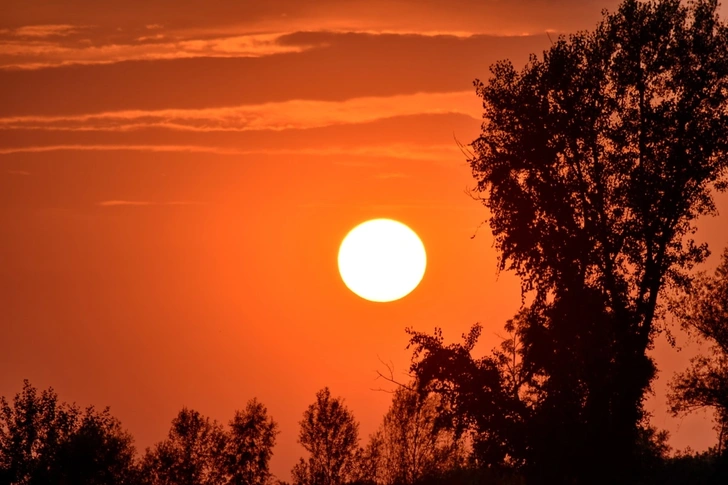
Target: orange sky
<point>175,180</point>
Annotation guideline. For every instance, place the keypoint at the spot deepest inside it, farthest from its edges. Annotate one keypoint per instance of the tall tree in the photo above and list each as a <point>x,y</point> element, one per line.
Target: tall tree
<point>43,440</point>
<point>705,383</point>
<point>250,445</point>
<point>594,162</point>
<point>192,454</point>
<point>330,434</point>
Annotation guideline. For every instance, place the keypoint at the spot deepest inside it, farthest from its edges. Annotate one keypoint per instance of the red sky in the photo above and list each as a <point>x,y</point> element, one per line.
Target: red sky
<point>175,180</point>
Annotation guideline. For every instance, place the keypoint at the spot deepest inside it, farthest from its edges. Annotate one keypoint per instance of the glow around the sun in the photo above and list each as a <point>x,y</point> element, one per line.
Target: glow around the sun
<point>382,260</point>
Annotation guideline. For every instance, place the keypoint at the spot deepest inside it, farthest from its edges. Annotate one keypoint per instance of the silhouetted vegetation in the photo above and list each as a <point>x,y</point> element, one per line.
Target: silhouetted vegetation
<point>705,384</point>
<point>250,445</point>
<point>193,453</point>
<point>330,434</point>
<point>45,441</point>
<point>594,162</point>
<point>410,446</point>
<point>200,451</point>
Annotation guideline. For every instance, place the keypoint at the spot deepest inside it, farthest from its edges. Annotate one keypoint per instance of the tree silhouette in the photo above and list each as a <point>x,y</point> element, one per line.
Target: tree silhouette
<point>98,452</point>
<point>476,396</point>
<point>593,161</point>
<point>705,383</point>
<point>250,445</point>
<point>46,441</point>
<point>369,462</point>
<point>192,454</point>
<point>330,435</point>
<point>409,445</point>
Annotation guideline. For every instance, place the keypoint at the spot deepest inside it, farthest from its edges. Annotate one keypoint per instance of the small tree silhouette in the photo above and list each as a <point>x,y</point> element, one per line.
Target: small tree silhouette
<point>409,445</point>
<point>250,444</point>
<point>192,454</point>
<point>330,435</point>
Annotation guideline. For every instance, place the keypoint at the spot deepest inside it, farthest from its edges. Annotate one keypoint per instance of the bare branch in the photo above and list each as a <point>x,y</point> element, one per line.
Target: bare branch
<point>389,377</point>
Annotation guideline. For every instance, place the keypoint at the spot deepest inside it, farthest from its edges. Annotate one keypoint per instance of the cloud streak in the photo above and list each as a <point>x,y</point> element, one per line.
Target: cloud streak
<point>397,151</point>
<point>142,203</point>
<point>42,31</point>
<point>277,116</point>
<point>117,203</point>
<point>47,46</point>
<point>19,53</point>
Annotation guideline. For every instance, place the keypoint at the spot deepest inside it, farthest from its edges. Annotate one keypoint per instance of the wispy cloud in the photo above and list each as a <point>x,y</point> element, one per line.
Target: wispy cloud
<point>41,31</point>
<point>462,34</point>
<point>116,203</point>
<point>144,148</point>
<point>145,38</point>
<point>36,54</point>
<point>294,114</point>
<point>18,172</point>
<point>44,46</point>
<point>396,151</point>
<point>141,203</point>
<point>388,207</point>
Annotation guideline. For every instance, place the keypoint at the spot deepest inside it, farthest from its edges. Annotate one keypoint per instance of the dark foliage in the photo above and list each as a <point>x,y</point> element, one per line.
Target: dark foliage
<point>706,468</point>
<point>705,384</point>
<point>330,434</point>
<point>250,443</point>
<point>201,452</point>
<point>45,441</point>
<point>594,162</point>
<point>409,447</point>
<point>192,454</point>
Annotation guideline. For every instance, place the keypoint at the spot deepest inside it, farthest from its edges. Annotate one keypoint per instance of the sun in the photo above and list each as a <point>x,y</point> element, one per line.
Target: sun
<point>382,260</point>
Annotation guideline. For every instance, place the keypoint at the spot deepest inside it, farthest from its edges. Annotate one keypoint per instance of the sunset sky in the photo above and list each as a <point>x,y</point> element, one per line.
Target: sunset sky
<point>176,178</point>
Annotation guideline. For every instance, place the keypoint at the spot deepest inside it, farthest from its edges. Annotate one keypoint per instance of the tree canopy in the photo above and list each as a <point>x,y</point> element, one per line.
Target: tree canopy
<point>201,451</point>
<point>250,445</point>
<point>410,445</point>
<point>330,434</point>
<point>44,440</point>
<point>594,162</point>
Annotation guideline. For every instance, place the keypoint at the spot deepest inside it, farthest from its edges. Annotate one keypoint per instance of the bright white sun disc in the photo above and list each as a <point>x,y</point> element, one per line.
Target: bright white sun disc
<point>382,260</point>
